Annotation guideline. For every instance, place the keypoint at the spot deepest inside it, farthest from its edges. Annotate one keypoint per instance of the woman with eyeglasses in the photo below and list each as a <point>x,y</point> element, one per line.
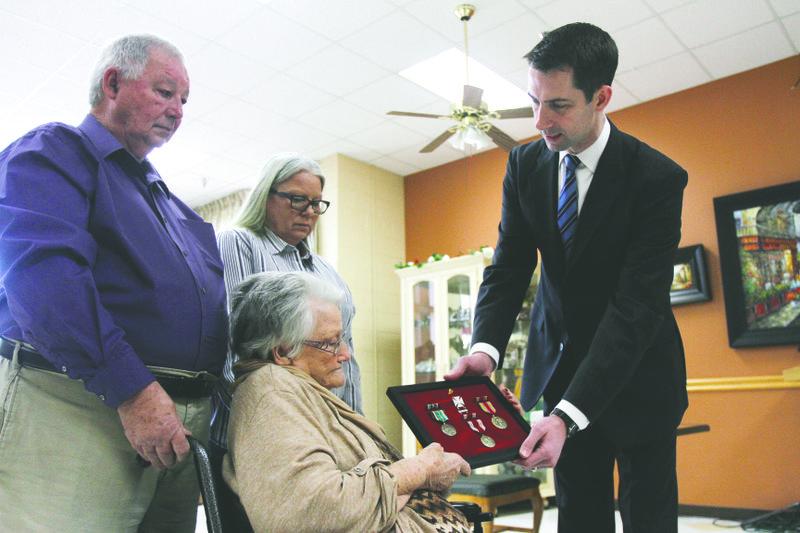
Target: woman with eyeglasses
<point>299,458</point>
<point>270,233</point>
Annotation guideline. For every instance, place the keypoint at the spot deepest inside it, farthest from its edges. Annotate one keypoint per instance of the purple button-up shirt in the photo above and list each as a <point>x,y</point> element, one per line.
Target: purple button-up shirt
<point>101,269</point>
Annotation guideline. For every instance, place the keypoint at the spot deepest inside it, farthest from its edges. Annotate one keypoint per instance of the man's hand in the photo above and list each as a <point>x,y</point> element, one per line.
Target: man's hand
<point>153,428</point>
<point>543,446</point>
<point>474,364</point>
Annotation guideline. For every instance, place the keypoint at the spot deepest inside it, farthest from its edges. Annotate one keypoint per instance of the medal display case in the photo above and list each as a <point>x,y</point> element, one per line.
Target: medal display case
<point>437,301</point>
<point>469,417</point>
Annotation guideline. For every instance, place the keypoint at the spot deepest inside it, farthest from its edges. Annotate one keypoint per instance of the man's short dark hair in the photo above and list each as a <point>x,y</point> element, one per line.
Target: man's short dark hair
<point>589,51</point>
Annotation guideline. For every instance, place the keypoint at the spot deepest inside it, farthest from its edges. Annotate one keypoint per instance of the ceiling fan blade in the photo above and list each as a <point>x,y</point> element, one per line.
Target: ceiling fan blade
<point>472,97</point>
<point>408,114</point>
<point>501,138</point>
<point>519,112</point>
<point>437,142</point>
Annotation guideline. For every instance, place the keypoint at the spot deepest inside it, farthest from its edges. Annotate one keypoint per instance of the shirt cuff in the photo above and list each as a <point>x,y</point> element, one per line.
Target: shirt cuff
<point>574,413</point>
<point>488,349</point>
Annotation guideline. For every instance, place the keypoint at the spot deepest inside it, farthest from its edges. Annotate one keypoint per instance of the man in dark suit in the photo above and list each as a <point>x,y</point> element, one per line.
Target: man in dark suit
<point>604,348</point>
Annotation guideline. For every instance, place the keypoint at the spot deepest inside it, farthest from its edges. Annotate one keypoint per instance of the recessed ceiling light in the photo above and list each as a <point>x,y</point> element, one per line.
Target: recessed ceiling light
<point>445,74</point>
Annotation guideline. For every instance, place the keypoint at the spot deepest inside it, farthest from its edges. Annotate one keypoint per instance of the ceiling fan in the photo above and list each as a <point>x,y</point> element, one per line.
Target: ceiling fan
<point>472,113</point>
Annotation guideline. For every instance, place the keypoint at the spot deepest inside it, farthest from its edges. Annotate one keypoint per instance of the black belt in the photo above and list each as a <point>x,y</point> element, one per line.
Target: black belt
<point>26,356</point>
<point>193,385</point>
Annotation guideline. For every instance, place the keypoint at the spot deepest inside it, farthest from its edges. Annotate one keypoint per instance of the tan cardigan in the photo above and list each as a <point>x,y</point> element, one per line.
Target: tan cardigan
<point>302,461</point>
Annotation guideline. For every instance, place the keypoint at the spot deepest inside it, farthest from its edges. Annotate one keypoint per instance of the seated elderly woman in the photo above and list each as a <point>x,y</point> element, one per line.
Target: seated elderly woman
<point>298,457</point>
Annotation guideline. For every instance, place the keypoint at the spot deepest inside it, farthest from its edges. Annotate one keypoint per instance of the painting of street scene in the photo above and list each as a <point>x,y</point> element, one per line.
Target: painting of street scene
<point>767,239</point>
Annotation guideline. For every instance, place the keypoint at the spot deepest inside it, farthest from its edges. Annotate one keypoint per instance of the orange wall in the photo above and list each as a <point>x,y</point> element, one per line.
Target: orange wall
<point>731,135</point>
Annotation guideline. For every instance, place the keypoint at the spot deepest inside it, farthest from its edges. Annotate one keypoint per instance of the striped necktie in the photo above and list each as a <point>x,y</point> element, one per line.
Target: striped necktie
<point>568,203</point>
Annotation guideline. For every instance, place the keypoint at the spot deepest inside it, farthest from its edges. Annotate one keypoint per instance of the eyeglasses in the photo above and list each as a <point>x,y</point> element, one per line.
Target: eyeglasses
<point>331,348</point>
<point>301,203</point>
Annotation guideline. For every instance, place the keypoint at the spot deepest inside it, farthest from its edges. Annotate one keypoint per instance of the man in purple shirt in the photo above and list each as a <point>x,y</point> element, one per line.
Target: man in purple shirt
<point>112,312</point>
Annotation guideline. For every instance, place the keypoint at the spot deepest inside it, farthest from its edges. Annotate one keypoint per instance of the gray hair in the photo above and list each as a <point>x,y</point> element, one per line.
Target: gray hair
<point>277,169</point>
<point>273,309</point>
<point>130,54</point>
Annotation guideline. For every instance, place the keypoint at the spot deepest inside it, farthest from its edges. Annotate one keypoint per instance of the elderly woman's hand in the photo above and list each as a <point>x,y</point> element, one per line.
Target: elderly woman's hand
<point>442,469</point>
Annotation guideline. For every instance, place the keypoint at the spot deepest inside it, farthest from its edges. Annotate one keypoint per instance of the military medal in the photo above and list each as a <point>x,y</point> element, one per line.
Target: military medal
<point>441,417</point>
<point>486,440</point>
<point>487,407</point>
<point>461,407</point>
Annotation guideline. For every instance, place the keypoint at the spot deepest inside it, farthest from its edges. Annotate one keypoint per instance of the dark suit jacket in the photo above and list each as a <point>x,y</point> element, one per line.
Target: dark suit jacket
<point>608,305</point>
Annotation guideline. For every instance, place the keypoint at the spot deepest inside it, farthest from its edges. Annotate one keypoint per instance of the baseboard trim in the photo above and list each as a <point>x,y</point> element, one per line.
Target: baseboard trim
<point>723,513</point>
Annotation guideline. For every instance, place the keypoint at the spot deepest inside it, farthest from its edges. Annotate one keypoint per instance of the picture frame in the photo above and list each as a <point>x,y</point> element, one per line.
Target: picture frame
<point>690,276</point>
<point>758,233</point>
<point>428,407</point>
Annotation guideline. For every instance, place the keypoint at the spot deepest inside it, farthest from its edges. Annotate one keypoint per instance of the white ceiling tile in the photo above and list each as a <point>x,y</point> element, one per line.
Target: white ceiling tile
<point>341,119</point>
<point>392,93</point>
<point>401,168</point>
<point>785,7</point>
<point>504,46</point>
<point>440,16</point>
<point>130,20</point>
<point>390,136</point>
<point>387,41</point>
<point>267,78</point>
<point>611,16</point>
<point>345,147</point>
<point>227,71</point>
<point>287,96</point>
<point>334,20</point>
<point>660,6</point>
<point>38,50</point>
<point>202,101</point>
<point>338,71</point>
<point>78,19</point>
<point>208,18</point>
<point>792,25</point>
<point>739,53</point>
<point>620,97</point>
<point>646,42</point>
<point>241,117</point>
<point>292,136</point>
<point>659,79</point>
<point>705,21</point>
<point>274,40</point>
<point>210,138</point>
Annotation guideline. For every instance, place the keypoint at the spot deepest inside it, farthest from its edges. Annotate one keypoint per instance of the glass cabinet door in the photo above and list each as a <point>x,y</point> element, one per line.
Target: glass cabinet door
<point>424,332</point>
<point>459,314</point>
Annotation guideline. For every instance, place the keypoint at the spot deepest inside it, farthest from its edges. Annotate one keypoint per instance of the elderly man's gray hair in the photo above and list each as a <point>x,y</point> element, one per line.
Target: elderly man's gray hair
<point>273,309</point>
<point>130,55</point>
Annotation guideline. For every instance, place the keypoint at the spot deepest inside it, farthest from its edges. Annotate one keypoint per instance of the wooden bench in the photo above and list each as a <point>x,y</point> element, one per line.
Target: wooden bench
<point>490,491</point>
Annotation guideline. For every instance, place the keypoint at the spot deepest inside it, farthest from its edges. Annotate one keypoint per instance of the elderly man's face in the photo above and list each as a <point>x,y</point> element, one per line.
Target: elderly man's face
<point>324,367</point>
<point>145,113</point>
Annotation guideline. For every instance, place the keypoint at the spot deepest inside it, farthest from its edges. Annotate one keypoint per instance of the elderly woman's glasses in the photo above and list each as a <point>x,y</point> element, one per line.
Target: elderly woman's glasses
<point>327,347</point>
<point>301,203</point>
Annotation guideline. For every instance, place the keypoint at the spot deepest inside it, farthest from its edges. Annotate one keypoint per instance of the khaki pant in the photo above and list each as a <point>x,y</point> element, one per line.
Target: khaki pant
<point>66,466</point>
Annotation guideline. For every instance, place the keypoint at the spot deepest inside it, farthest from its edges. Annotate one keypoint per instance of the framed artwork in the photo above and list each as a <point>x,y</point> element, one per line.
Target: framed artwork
<point>690,276</point>
<point>469,416</point>
<point>758,233</point>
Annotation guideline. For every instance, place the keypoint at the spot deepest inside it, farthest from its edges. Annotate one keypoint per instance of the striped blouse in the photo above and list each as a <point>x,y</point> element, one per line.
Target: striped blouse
<point>245,253</point>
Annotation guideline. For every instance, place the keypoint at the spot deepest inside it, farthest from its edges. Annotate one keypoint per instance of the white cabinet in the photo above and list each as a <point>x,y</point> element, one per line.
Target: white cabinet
<point>438,300</point>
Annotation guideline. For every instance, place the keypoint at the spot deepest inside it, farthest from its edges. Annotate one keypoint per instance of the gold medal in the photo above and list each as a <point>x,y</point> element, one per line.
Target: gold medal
<point>498,422</point>
<point>441,417</point>
<point>487,441</point>
<point>487,407</point>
